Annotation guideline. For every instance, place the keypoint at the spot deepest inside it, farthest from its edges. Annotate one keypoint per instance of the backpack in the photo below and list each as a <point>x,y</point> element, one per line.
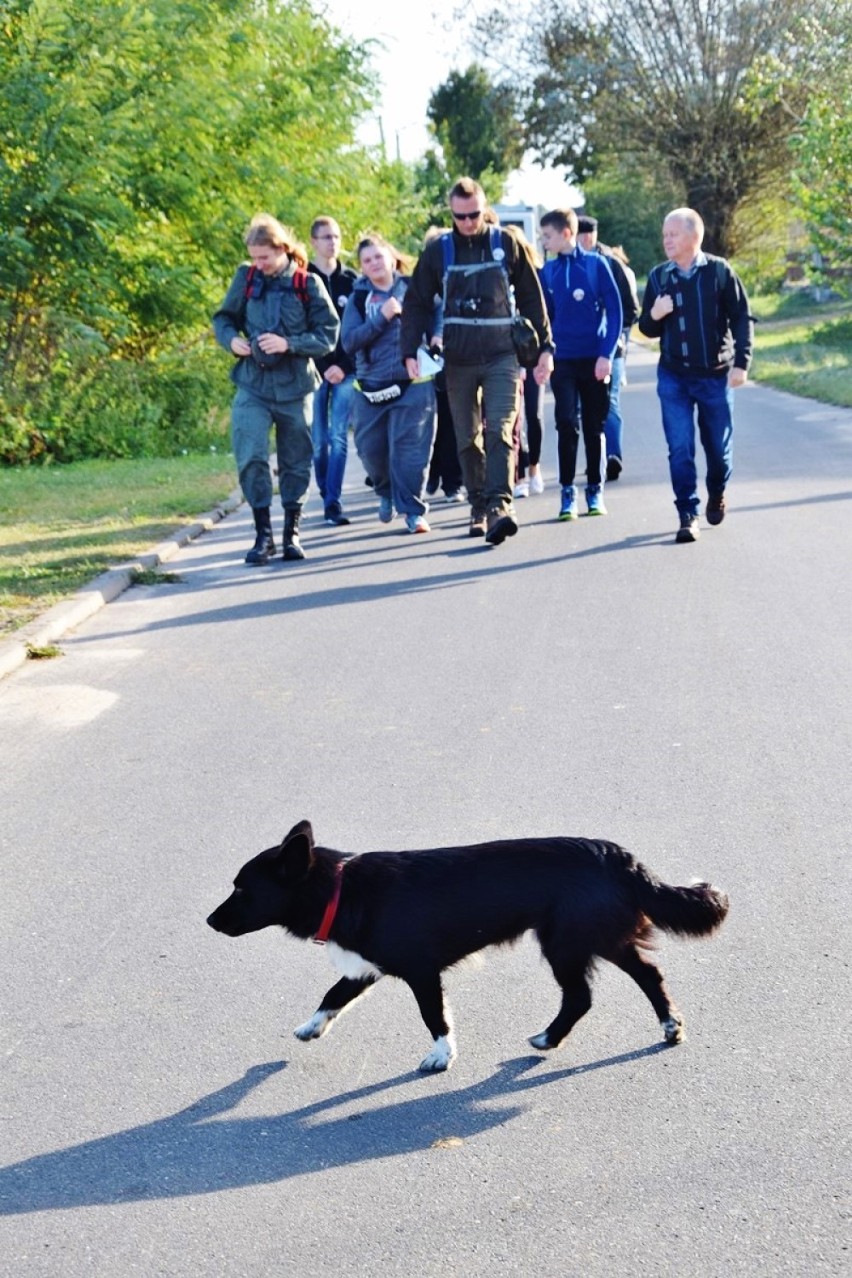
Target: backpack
<point>254,287</point>
<point>300,284</point>
<point>358,298</point>
<point>591,265</point>
<point>721,280</point>
<point>721,274</point>
<point>524,336</point>
<point>448,249</point>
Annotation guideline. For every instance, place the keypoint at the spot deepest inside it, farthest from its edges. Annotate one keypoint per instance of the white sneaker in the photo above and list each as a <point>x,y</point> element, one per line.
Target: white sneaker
<point>522,488</point>
<point>536,484</point>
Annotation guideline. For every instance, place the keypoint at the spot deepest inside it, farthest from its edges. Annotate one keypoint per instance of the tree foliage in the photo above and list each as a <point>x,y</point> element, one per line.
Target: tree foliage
<point>137,141</point>
<point>477,125</point>
<point>822,149</point>
<point>669,85</point>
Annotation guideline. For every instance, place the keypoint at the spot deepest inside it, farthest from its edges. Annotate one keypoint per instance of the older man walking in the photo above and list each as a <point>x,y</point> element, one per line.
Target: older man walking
<point>696,305</point>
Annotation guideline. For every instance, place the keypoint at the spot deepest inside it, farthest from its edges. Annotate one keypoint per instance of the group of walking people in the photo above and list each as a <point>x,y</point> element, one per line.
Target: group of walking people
<point>318,347</point>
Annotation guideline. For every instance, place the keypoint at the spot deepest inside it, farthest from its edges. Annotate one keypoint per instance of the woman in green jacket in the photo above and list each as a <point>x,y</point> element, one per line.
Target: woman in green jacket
<point>275,319</point>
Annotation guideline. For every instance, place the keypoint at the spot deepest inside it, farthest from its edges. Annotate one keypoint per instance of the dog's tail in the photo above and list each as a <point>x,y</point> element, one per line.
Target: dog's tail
<point>687,911</point>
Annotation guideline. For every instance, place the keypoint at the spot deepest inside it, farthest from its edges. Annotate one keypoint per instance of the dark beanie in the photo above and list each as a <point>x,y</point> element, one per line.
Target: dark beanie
<point>586,224</point>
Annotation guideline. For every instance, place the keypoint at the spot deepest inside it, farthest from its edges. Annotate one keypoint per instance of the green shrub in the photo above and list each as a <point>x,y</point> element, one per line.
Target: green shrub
<point>111,407</point>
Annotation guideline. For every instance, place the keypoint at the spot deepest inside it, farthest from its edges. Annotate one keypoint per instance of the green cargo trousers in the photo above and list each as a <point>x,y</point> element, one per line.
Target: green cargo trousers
<point>484,402</point>
<point>251,419</point>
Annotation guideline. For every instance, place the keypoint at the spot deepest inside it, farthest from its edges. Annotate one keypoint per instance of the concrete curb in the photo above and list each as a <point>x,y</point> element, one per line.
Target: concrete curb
<point>57,621</point>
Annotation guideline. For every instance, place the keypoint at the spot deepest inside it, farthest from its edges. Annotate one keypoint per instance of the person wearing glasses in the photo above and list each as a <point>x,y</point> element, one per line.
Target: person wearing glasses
<point>333,400</point>
<point>481,289</point>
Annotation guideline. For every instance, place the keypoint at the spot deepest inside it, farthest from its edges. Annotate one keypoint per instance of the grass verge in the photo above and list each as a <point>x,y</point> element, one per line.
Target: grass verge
<point>804,348</point>
<point>62,525</point>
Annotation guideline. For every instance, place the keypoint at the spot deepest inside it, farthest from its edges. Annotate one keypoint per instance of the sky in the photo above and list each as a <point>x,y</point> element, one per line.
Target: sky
<point>415,50</point>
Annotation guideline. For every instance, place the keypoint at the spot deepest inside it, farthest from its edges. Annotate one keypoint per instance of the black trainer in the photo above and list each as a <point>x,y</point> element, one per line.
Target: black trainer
<point>715,511</point>
<point>334,514</point>
<point>688,530</point>
<point>614,467</point>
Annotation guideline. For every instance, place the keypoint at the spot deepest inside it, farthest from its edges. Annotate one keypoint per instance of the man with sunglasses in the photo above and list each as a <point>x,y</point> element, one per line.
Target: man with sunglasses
<point>487,280</point>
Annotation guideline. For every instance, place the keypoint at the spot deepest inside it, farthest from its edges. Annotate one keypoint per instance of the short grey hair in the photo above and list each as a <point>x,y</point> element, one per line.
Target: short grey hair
<point>690,219</point>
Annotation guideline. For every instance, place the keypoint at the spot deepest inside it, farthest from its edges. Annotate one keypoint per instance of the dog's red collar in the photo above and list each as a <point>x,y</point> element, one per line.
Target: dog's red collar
<point>331,909</point>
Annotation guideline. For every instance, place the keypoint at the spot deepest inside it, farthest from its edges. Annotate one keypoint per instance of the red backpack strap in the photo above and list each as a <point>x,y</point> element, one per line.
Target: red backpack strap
<point>300,285</point>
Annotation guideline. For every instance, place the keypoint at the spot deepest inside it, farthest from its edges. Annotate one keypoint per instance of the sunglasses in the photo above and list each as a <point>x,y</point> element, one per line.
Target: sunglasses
<point>467,217</point>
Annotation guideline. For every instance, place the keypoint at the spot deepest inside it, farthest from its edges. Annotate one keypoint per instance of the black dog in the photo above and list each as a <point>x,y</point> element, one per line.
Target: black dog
<point>413,914</point>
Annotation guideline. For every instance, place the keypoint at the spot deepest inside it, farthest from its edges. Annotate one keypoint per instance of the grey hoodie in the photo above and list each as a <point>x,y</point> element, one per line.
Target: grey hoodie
<point>373,340</point>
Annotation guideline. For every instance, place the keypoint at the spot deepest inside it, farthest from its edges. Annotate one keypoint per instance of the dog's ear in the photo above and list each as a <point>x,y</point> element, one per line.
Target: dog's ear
<point>303,827</point>
<point>296,851</point>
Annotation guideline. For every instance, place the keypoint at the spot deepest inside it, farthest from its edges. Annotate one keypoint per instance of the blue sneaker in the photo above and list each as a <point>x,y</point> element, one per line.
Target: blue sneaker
<point>385,509</point>
<point>417,524</point>
<point>568,507</point>
<point>594,500</point>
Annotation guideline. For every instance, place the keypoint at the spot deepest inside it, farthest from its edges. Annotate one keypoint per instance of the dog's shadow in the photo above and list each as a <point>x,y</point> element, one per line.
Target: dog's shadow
<point>195,1151</point>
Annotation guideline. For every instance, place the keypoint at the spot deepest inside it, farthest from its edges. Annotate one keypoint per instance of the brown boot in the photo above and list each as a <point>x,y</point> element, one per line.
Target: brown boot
<point>502,523</point>
<point>477,523</point>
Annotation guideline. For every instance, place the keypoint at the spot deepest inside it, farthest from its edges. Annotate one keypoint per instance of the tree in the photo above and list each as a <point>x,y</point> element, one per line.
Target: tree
<point>667,85</point>
<point>137,141</point>
<point>822,150</point>
<point>477,125</point>
<point>630,206</point>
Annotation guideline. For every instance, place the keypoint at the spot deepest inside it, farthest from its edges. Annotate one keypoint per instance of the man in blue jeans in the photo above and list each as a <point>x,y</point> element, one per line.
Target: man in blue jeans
<point>625,282</point>
<point>334,397</point>
<point>696,305</point>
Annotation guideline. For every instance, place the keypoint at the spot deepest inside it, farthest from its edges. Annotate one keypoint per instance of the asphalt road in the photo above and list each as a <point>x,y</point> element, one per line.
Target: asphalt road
<point>691,702</point>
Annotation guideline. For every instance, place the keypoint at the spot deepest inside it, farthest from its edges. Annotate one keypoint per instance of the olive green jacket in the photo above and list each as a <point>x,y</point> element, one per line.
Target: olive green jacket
<point>311,329</point>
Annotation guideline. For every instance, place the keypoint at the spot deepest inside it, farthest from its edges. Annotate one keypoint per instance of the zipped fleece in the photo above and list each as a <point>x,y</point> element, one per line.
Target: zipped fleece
<point>339,286</point>
<point>311,330</point>
<point>584,305</point>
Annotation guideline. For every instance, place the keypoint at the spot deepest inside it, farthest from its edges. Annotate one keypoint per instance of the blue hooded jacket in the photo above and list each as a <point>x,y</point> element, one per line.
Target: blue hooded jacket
<point>584,305</point>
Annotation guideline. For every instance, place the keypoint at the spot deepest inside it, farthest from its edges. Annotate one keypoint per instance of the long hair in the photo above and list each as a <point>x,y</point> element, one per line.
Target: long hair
<point>400,262</point>
<point>267,231</point>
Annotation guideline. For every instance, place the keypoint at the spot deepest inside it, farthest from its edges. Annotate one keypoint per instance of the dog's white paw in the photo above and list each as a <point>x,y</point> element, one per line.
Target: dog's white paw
<point>440,1058</point>
<point>674,1030</point>
<point>315,1027</point>
<point>541,1042</point>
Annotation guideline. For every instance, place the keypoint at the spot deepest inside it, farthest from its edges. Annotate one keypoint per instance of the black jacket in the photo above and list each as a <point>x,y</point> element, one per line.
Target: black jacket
<point>427,284</point>
<point>710,329</point>
<point>626,291</point>
<point>338,285</point>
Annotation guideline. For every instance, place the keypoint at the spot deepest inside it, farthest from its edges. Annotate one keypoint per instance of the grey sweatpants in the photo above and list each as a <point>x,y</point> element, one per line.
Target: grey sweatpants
<point>394,442</point>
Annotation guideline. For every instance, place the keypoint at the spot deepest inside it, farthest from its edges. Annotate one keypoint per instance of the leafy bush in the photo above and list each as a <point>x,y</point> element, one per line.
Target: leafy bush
<point>126,182</point>
<point>112,407</point>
